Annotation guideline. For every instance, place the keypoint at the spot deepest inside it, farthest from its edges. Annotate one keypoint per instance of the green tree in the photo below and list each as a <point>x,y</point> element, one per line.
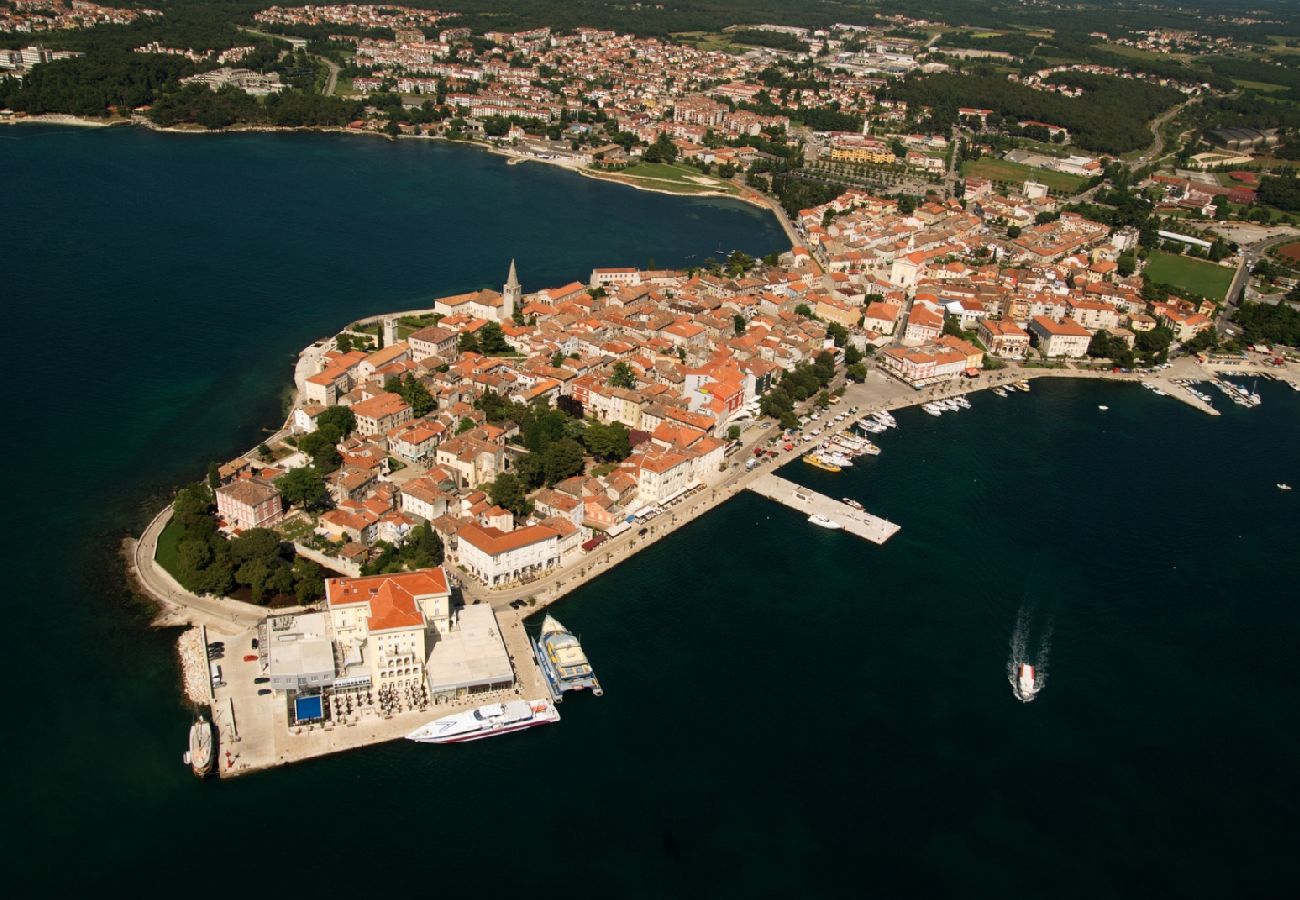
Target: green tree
<point>733,433</point>
<point>214,476</point>
<point>492,340</point>
<point>308,580</point>
<point>466,423</point>
<point>856,372</point>
<point>304,488</point>
<point>467,342</point>
<point>839,334</point>
<point>336,423</point>
<point>852,355</point>
<point>621,376</point>
<point>508,492</point>
<point>803,309</point>
<point>738,324</point>
<point>663,150</point>
<point>320,447</point>
<point>608,442</point>
<point>561,459</point>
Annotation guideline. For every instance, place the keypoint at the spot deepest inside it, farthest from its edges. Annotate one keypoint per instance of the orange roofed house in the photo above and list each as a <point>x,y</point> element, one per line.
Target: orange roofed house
<point>498,557</point>
<point>382,623</point>
<point>249,503</point>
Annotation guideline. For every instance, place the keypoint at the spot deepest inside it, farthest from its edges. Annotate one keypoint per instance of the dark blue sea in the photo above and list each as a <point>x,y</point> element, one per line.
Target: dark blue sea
<point>789,712</point>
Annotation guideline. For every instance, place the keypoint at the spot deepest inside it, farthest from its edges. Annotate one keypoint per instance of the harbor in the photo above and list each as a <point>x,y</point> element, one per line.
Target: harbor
<point>804,500</point>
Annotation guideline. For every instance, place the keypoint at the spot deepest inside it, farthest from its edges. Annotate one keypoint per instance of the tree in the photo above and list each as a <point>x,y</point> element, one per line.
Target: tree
<point>309,580</point>
<point>467,343</point>
<point>466,423</point>
<point>663,150</point>
<point>304,488</point>
<point>492,340</point>
<point>738,324</point>
<point>803,310</point>
<point>423,548</point>
<point>319,445</point>
<point>823,399</point>
<point>561,459</point>
<point>336,423</point>
<point>856,372</point>
<point>621,376</point>
<point>824,366</point>
<point>214,476</point>
<point>852,355</point>
<point>508,492</point>
<point>839,334</point>
<point>609,443</point>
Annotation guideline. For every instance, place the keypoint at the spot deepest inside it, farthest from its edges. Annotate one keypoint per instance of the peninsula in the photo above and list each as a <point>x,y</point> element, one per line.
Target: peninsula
<point>445,472</point>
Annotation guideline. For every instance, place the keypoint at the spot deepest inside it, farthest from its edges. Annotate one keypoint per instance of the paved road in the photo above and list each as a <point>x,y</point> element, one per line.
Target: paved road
<point>154,579</point>
<point>1249,257</point>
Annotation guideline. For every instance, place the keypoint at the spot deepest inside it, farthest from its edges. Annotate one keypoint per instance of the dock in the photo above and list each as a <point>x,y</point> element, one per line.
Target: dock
<point>805,501</point>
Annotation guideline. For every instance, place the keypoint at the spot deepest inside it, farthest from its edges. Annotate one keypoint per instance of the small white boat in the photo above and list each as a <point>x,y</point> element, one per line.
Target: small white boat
<point>200,756</point>
<point>932,409</point>
<point>849,501</point>
<point>1026,682</point>
<point>1000,392</point>
<point>1283,486</point>
<point>823,522</point>
<point>1103,407</point>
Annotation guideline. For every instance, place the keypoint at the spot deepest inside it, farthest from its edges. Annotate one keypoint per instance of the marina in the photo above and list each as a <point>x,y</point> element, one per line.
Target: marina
<point>809,502</point>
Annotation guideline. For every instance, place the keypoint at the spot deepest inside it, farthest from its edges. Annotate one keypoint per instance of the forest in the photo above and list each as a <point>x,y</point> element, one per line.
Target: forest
<point>1110,117</point>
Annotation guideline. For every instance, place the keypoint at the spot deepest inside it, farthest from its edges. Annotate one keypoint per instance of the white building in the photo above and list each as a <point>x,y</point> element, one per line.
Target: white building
<point>500,557</point>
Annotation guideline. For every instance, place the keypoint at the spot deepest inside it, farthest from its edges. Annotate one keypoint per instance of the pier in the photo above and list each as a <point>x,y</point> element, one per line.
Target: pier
<point>806,501</point>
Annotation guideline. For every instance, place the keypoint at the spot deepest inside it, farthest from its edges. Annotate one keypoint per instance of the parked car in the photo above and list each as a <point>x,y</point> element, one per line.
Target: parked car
<point>254,643</point>
<point>261,679</point>
<point>263,692</point>
<point>252,657</point>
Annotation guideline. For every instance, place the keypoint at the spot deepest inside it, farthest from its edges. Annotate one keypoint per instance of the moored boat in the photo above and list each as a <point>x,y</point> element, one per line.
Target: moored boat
<point>200,755</point>
<point>562,660</point>
<point>817,462</point>
<point>824,522</point>
<point>486,721</point>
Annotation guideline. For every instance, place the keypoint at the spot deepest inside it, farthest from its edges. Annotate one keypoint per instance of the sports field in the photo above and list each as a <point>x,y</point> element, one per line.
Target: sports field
<point>1196,276</point>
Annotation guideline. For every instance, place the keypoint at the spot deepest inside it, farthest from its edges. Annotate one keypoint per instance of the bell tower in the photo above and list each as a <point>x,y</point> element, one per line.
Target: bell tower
<point>512,294</point>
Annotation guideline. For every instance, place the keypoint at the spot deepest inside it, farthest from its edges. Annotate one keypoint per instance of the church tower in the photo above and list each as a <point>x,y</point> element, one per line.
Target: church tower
<point>512,294</point>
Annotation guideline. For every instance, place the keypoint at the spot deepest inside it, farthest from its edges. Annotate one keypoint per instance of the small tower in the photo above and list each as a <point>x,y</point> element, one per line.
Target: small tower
<point>390,332</point>
<point>512,293</point>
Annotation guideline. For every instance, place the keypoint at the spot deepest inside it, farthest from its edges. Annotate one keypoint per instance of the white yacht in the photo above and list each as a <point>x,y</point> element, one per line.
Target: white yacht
<point>1026,682</point>
<point>486,721</point>
<point>824,522</point>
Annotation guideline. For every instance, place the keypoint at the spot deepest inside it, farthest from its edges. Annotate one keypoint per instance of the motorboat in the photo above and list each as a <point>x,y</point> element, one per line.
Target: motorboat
<point>1103,407</point>
<point>1283,486</point>
<point>1026,682</point>
<point>848,501</point>
<point>486,721</point>
<point>999,392</point>
<point>200,755</point>
<point>823,522</point>
<point>932,408</point>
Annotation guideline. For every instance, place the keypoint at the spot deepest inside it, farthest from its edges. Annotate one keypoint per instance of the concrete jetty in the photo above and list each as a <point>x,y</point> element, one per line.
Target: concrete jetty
<point>803,500</point>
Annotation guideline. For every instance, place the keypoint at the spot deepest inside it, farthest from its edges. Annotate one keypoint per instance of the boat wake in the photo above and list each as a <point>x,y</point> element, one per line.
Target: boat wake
<point>1029,653</point>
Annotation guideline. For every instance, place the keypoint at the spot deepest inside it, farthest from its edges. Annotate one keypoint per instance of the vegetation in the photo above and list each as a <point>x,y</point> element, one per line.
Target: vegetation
<point>1264,323</point>
<point>1187,275</point>
<point>1017,173</point>
<point>798,384</point>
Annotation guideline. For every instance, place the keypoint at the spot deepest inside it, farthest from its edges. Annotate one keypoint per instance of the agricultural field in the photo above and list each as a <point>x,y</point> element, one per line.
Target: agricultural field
<point>1205,279</point>
<point>1016,173</point>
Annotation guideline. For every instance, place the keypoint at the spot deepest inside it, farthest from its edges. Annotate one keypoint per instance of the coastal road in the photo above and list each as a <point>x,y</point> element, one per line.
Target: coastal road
<point>1236,290</point>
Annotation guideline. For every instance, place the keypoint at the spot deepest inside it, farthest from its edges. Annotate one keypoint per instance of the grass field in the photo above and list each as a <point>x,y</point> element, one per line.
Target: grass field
<point>1016,173</point>
<point>678,179</point>
<point>1260,86</point>
<point>167,543</point>
<point>1195,275</point>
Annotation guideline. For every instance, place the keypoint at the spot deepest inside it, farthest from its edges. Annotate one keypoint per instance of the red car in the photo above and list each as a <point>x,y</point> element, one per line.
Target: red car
<point>252,657</point>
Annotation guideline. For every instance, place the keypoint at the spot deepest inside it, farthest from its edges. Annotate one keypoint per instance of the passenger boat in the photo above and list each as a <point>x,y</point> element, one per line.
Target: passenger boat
<point>1026,682</point>
<point>824,522</point>
<point>486,721</point>
<point>563,661</point>
<point>200,755</point>
<point>817,462</point>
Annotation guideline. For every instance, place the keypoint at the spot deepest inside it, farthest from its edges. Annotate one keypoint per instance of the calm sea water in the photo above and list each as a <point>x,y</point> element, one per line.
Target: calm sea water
<point>788,711</point>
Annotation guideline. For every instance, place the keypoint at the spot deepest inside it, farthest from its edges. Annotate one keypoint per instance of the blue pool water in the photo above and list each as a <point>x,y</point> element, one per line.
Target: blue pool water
<point>308,709</point>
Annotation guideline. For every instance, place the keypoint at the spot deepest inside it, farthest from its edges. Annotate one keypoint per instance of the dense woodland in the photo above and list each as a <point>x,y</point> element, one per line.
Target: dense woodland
<point>1110,117</point>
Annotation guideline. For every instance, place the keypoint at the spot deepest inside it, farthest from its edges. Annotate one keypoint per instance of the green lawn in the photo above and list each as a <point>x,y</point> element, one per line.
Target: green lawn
<point>1017,173</point>
<point>167,543</point>
<point>678,179</point>
<point>1182,272</point>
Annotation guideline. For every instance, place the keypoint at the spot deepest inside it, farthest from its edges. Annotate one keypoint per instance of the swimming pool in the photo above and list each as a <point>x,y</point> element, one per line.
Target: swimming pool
<point>308,709</point>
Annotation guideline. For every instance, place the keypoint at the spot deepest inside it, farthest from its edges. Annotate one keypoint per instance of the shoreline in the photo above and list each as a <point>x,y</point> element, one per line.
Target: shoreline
<point>745,195</point>
<point>261,741</point>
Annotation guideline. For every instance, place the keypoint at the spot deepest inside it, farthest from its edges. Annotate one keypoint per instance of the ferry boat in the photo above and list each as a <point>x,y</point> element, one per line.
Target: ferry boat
<point>563,661</point>
<point>824,522</point>
<point>817,462</point>
<point>1026,682</point>
<point>200,756</point>
<point>486,721</point>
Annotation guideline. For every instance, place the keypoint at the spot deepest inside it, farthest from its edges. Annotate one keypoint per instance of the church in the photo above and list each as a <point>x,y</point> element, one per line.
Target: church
<point>485,304</point>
